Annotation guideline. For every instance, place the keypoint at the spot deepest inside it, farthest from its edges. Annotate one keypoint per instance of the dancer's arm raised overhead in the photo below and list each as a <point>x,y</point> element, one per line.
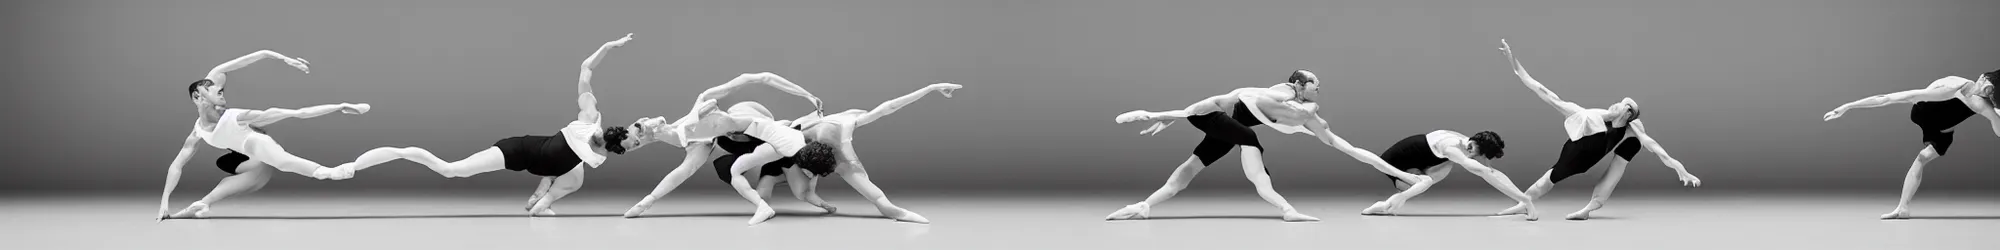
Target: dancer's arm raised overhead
<point>1548,96</point>
<point>260,118</point>
<point>220,73</point>
<point>174,170</point>
<point>890,107</point>
<point>1687,179</point>
<point>586,100</point>
<point>766,78</point>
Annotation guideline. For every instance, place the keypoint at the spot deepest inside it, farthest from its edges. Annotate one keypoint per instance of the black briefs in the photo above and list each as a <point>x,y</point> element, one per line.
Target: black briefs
<point>539,155</point>
<point>1412,153</point>
<point>1937,117</point>
<point>1224,131</point>
<point>734,149</point>
<point>228,162</point>
<point>1580,155</point>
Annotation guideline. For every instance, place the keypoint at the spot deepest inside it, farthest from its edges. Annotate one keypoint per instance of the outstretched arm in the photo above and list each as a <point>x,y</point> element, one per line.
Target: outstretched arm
<point>1936,92</point>
<point>174,171</point>
<point>892,105</point>
<point>1319,128</point>
<point>766,78</point>
<point>219,73</point>
<point>1547,96</point>
<point>260,118</point>
<point>1687,179</point>
<point>586,100</point>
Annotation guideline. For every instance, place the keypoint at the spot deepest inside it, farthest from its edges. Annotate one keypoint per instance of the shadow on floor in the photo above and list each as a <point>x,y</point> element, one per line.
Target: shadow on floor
<point>516,215</point>
<point>1199,217</point>
<point>1957,217</point>
<point>746,215</point>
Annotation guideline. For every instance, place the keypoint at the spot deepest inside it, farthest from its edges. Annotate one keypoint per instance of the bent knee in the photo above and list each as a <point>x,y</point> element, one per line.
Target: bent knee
<point>1928,154</point>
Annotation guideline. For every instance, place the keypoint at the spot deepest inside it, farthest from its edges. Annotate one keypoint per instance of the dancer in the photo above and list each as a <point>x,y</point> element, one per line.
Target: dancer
<point>1433,154</point>
<point>1592,134</point>
<point>775,141</point>
<point>1936,109</point>
<point>837,127</point>
<point>252,154</point>
<point>1285,107</point>
<point>556,158</point>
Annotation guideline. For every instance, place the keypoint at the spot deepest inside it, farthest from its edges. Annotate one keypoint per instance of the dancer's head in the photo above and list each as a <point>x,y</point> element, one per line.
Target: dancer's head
<point>205,92</point>
<point>619,139</point>
<point>1488,144</point>
<point>1305,85</point>
<point>1627,110</point>
<point>816,158</point>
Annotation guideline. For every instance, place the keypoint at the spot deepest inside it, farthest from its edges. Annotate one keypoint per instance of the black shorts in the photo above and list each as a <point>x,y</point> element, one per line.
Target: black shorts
<point>539,155</point>
<point>733,149</point>
<point>1412,153</point>
<point>1580,155</point>
<point>229,162</point>
<point>1935,118</point>
<point>1223,132</point>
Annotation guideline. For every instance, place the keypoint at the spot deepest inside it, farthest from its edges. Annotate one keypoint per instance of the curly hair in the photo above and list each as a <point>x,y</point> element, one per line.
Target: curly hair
<point>1490,145</point>
<point>614,139</point>
<point>816,158</point>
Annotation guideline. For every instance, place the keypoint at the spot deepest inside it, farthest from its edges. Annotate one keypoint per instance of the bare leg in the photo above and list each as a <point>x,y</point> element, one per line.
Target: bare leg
<point>1603,190</point>
<point>540,190</point>
<point>1389,206</point>
<point>263,149</point>
<point>757,158</point>
<point>250,176</point>
<point>373,157</point>
<point>1910,183</point>
<point>1253,168</point>
<point>1541,187</point>
<point>697,154</point>
<point>1175,183</point>
<point>1506,186</point>
<point>488,160</point>
<point>800,186</point>
<point>562,186</point>
<point>857,176</point>
<point>765,184</point>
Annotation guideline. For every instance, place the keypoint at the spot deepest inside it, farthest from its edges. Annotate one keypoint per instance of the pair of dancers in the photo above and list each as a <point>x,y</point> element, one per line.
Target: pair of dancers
<point>1417,161</point>
<point>755,139</point>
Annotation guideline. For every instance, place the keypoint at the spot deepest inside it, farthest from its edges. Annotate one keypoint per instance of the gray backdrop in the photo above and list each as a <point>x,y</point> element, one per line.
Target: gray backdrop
<point>1735,89</point>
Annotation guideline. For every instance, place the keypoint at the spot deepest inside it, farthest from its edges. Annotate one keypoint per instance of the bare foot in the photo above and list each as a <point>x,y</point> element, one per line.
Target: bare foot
<point>1521,208</point>
<point>1295,216</point>
<point>764,213</point>
<point>1136,211</point>
<point>907,216</point>
<point>1898,214</point>
<point>1380,208</point>
<point>193,211</point>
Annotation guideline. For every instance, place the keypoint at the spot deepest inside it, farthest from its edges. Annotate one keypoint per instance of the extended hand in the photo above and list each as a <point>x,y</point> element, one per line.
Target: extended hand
<point>356,109</point>
<point>301,63</point>
<point>1689,180</point>
<point>946,88</point>
<point>620,42</point>
<point>1836,113</point>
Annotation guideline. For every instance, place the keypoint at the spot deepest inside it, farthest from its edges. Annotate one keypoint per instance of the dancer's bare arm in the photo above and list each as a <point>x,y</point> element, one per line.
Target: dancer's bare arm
<point>260,118</point>
<point>220,76</point>
<point>766,78</point>
<point>890,107</point>
<point>174,171</point>
<point>1687,179</point>
<point>1547,95</point>
<point>1943,89</point>
<point>586,100</point>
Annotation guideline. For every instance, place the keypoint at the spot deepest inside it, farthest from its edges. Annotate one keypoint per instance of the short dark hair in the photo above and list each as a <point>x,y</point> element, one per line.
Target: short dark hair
<point>815,158</point>
<point>1991,76</point>
<point>1299,77</point>
<point>1489,144</point>
<point>196,86</point>
<point>1633,113</point>
<point>614,139</point>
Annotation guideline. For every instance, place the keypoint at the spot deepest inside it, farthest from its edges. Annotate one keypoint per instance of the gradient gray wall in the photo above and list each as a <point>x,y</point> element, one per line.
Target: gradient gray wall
<point>1734,89</point>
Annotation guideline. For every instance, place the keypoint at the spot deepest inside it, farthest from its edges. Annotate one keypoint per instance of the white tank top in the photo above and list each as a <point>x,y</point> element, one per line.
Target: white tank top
<point>1441,139</point>
<point>228,133</point>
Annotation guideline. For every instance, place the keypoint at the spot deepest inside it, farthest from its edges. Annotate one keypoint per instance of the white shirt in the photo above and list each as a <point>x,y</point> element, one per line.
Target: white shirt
<point>577,135</point>
<point>1585,122</point>
<point>1442,139</point>
<point>228,133</point>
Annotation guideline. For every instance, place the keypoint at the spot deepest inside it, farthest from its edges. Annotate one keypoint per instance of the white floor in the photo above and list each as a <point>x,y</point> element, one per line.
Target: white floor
<point>1200,219</point>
